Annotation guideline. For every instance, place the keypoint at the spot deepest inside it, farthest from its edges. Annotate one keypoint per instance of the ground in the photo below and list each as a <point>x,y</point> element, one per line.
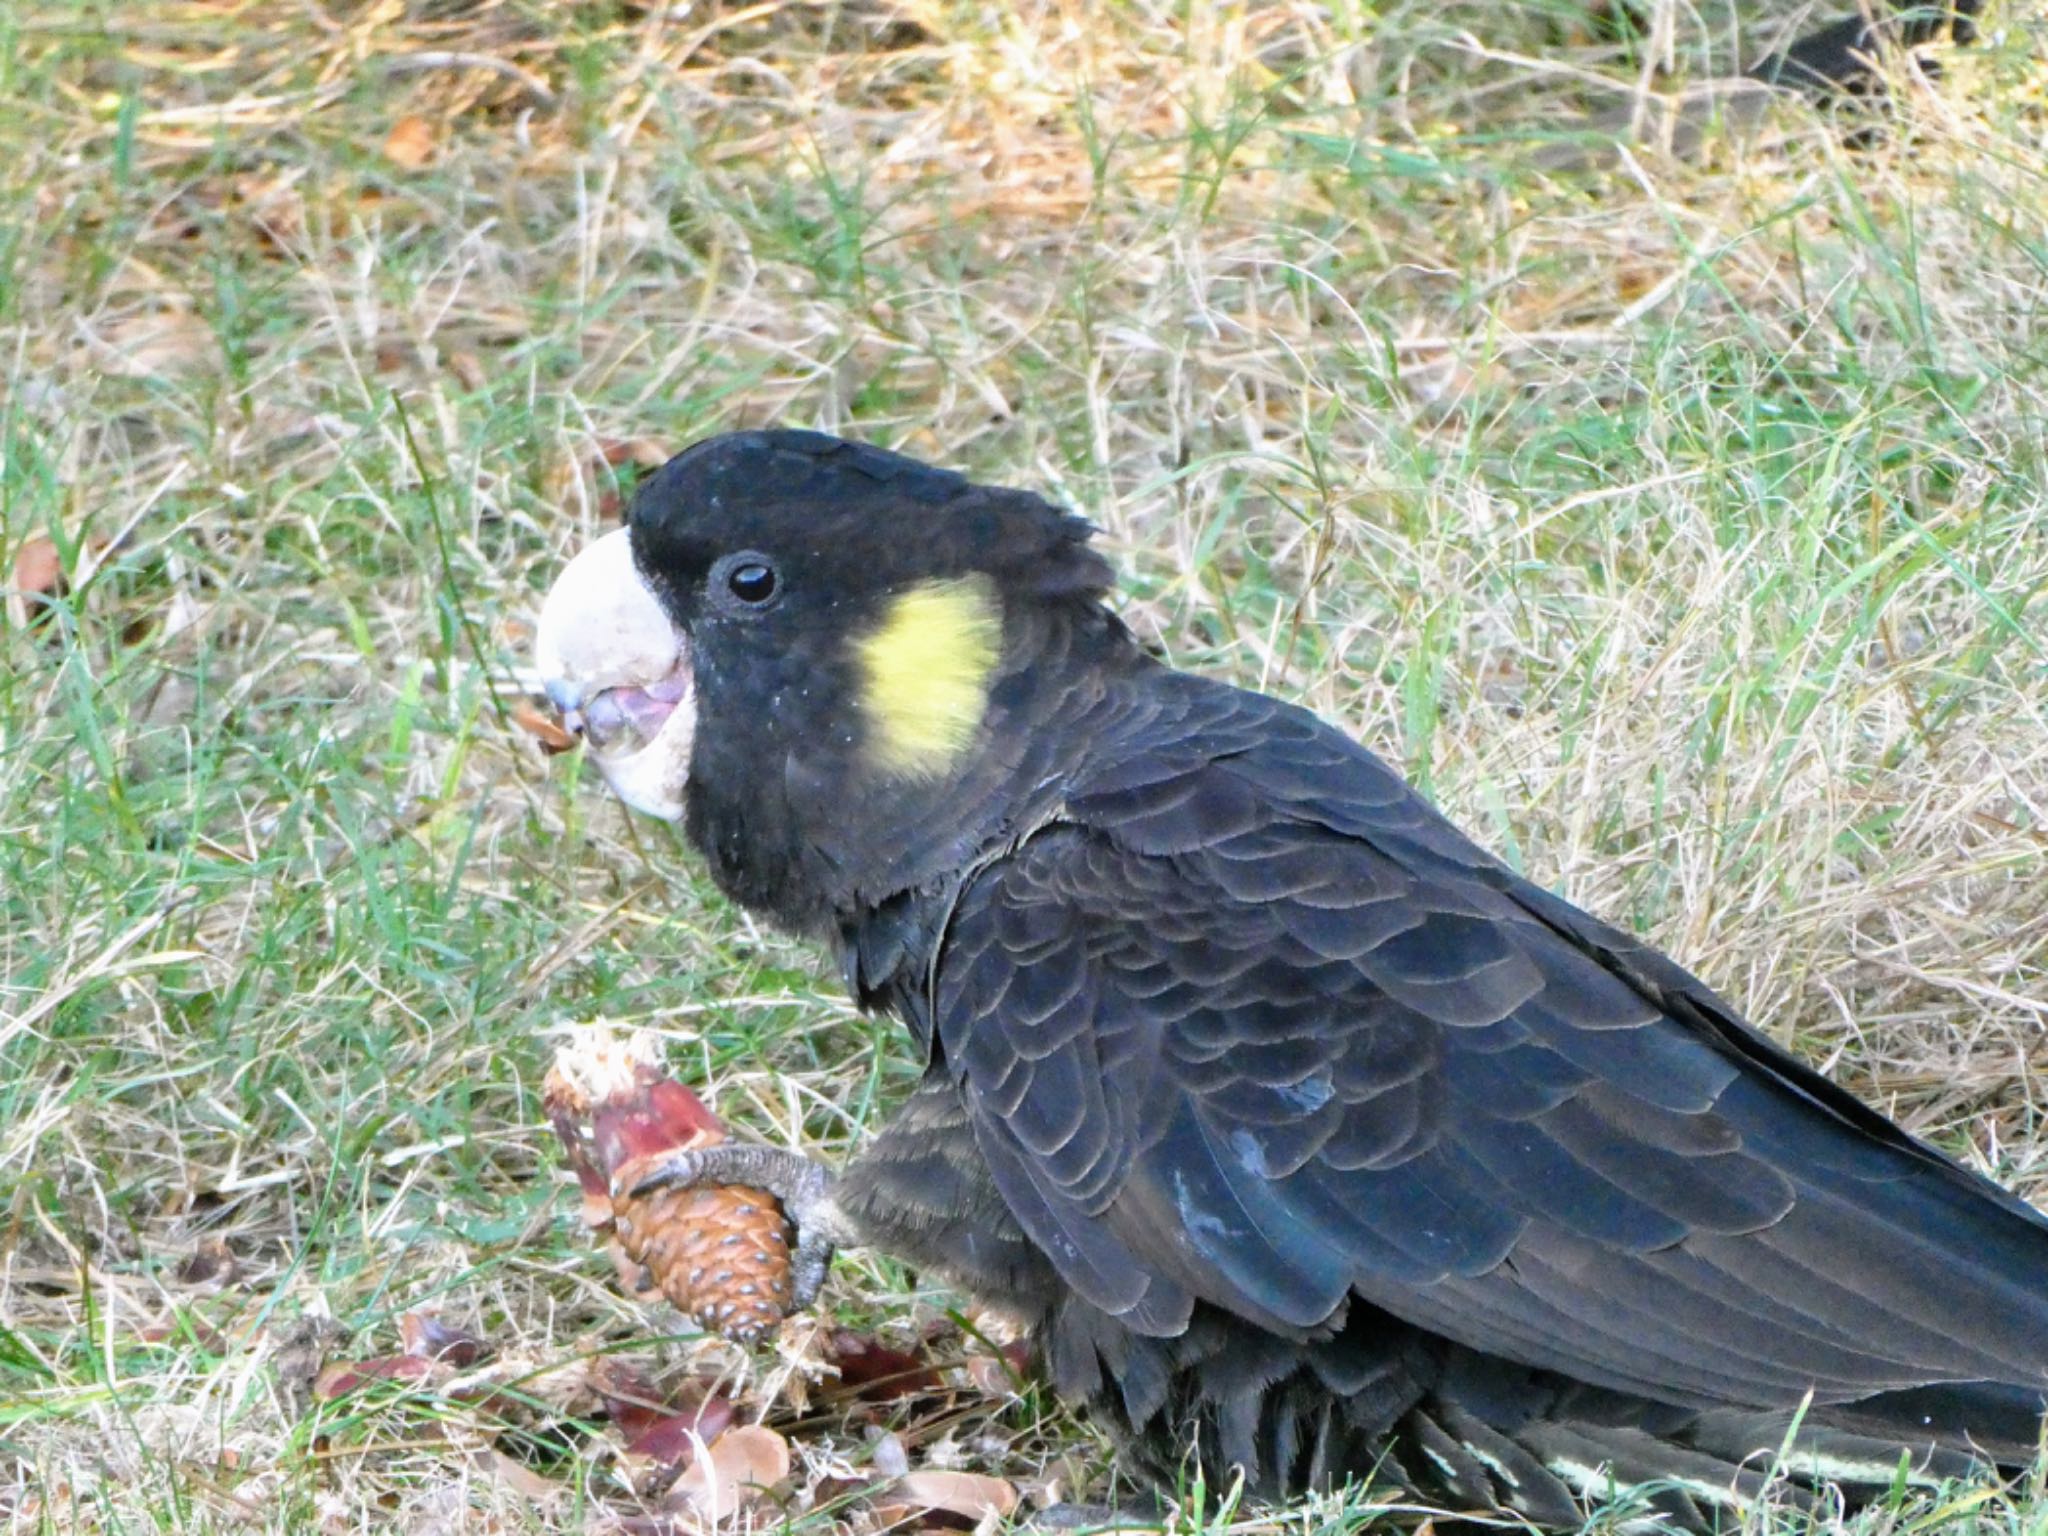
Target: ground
<point>1679,521</point>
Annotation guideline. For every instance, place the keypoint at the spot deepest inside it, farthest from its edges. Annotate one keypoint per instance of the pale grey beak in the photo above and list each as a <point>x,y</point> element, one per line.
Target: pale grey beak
<point>565,696</point>
<point>618,669</point>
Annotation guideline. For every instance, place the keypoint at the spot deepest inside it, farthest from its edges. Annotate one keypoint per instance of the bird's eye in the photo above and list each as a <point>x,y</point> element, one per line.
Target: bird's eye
<point>753,581</point>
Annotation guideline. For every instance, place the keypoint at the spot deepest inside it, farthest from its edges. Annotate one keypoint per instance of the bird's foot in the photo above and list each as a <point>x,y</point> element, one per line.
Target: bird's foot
<point>804,1188</point>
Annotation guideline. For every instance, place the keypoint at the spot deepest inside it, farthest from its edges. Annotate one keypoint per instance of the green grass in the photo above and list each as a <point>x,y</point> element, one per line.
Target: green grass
<point>1682,526</point>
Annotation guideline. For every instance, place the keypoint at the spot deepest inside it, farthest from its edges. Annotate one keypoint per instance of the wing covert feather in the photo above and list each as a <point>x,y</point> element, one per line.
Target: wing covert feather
<point>1257,1027</point>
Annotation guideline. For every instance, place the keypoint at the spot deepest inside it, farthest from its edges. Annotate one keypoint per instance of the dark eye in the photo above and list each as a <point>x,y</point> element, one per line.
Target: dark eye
<point>751,581</point>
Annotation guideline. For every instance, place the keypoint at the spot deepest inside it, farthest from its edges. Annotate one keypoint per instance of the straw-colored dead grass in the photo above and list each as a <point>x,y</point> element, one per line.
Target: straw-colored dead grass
<point>1679,522</point>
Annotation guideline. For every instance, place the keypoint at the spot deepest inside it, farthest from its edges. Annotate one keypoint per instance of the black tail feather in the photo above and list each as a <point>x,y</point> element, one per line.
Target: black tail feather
<point>1380,1401</point>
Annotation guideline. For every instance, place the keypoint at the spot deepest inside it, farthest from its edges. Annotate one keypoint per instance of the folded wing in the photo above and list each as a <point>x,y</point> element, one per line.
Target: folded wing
<point>1256,1027</point>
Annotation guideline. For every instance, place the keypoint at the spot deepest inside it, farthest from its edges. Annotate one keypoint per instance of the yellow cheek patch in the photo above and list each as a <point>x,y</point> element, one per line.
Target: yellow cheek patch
<point>924,674</point>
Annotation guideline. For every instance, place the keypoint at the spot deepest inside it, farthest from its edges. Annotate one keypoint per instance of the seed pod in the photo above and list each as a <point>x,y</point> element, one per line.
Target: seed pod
<point>720,1254</point>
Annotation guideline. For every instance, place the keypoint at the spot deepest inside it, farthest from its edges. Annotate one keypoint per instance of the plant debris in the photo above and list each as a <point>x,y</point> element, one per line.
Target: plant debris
<point>970,1496</point>
<point>739,1468</point>
<point>345,1377</point>
<point>426,1335</point>
<point>543,727</point>
<point>410,144</point>
<point>720,1255</point>
<point>211,1266</point>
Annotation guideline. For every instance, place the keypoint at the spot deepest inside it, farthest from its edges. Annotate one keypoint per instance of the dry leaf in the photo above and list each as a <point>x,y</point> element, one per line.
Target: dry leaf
<point>39,576</point>
<point>990,1376</point>
<point>969,1495</point>
<point>346,1376</point>
<point>410,144</point>
<point>296,1349</point>
<point>626,457</point>
<point>521,1479</point>
<point>38,569</point>
<point>427,1336</point>
<point>153,346</point>
<point>468,370</point>
<point>888,1457</point>
<point>736,1469</point>
<point>656,1424</point>
<point>211,1266</point>
<point>273,206</point>
<point>623,1388</point>
<point>190,1330</point>
<point>668,1441</point>
<point>517,1388</point>
<point>433,1353</point>
<point>643,451</point>
<point>878,1373</point>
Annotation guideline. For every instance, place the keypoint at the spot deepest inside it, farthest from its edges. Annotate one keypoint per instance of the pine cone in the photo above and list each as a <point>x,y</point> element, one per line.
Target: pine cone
<point>718,1254</point>
<point>721,1255</point>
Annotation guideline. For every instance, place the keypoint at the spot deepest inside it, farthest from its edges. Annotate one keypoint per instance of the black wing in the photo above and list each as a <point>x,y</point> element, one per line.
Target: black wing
<point>1254,1025</point>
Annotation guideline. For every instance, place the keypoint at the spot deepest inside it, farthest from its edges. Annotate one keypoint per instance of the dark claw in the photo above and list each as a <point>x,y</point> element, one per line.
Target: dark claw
<point>789,1176</point>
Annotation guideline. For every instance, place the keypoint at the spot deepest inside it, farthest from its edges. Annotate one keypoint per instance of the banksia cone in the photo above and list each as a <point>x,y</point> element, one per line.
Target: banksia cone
<point>719,1254</point>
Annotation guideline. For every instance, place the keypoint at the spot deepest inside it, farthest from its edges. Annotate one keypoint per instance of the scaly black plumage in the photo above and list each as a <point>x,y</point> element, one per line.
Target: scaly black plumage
<point>1303,1131</point>
<point>1838,55</point>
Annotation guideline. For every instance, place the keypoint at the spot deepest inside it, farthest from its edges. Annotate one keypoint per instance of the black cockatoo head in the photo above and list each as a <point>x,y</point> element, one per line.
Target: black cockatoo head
<point>827,659</point>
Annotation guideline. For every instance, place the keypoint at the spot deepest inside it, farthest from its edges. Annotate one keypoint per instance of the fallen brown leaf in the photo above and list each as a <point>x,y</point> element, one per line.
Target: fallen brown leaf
<point>410,143</point>
<point>735,1470</point>
<point>158,344</point>
<point>425,1335</point>
<point>623,1390</point>
<point>656,1423</point>
<point>296,1349</point>
<point>970,1495</point>
<point>643,451</point>
<point>38,569</point>
<point>188,1330</point>
<point>211,1266</point>
<point>347,1376</point>
<point>467,368</point>
<point>521,1479</point>
<point>879,1373</point>
<point>990,1376</point>
<point>668,1441</point>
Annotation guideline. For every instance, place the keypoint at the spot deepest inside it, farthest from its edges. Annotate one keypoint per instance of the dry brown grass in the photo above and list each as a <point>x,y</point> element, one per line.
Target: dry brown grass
<point>1682,524</point>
